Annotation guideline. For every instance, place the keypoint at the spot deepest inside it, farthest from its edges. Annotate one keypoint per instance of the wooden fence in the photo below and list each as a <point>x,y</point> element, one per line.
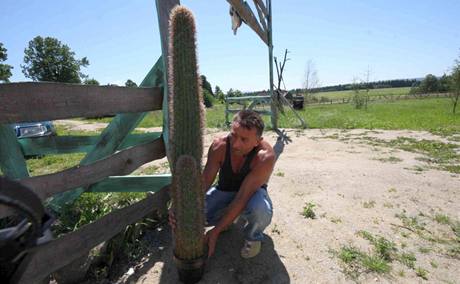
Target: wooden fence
<point>109,156</point>
<point>377,98</point>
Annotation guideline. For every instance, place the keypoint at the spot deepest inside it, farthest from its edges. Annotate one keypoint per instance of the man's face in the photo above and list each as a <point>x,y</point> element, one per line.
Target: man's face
<point>243,140</point>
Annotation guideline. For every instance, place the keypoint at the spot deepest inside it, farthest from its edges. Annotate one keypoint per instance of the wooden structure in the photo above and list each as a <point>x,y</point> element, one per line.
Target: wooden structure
<point>262,26</point>
<point>109,158</point>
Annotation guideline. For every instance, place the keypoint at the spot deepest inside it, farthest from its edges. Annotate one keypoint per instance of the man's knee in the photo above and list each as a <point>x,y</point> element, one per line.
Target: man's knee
<point>259,207</point>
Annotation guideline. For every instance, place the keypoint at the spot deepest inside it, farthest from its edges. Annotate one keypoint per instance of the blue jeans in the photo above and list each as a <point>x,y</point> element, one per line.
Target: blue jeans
<point>258,212</point>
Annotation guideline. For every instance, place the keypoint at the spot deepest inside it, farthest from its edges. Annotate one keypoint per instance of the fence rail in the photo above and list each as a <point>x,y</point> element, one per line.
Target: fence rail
<point>58,253</point>
<point>33,101</point>
<point>325,101</point>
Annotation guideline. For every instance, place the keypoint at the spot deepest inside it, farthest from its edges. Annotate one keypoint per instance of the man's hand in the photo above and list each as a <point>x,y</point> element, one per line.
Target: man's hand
<point>211,240</point>
<point>172,219</point>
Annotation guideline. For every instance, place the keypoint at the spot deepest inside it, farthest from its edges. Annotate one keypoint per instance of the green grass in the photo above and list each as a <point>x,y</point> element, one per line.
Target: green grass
<point>422,273</point>
<point>425,114</point>
<point>307,211</point>
<point>438,154</point>
<point>433,115</point>
<point>52,163</point>
<point>442,219</point>
<point>336,95</point>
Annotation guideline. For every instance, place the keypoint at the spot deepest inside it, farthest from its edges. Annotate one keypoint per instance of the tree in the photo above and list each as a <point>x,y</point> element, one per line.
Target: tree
<point>130,83</point>
<point>5,69</point>
<point>444,83</point>
<point>234,93</point>
<point>429,84</point>
<point>219,94</point>
<point>91,81</point>
<point>206,85</point>
<point>311,80</point>
<point>47,59</point>
<point>455,84</point>
<point>207,98</point>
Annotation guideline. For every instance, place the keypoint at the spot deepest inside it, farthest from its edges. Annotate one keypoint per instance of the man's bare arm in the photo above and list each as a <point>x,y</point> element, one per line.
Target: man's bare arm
<point>253,181</point>
<point>212,165</point>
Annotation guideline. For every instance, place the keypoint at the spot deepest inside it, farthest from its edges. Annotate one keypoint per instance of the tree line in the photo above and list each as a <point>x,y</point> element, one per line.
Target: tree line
<point>46,59</point>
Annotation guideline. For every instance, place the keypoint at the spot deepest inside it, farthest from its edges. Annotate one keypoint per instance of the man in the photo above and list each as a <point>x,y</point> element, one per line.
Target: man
<point>244,162</point>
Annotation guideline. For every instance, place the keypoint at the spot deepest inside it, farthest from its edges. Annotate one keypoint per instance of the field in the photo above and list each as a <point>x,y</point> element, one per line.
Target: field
<point>361,196</point>
<point>337,95</point>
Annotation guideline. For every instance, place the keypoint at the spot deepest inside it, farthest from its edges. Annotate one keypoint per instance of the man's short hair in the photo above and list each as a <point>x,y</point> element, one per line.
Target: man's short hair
<point>250,119</point>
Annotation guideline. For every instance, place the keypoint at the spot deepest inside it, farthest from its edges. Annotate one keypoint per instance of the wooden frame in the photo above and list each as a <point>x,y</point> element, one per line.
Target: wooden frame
<point>19,101</point>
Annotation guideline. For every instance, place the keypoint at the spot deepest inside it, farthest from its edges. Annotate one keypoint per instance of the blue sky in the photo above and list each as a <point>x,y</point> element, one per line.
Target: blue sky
<point>396,39</point>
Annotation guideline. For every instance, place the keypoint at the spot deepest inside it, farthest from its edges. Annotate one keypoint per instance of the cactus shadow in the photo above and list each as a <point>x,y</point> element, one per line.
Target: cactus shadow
<point>227,266</point>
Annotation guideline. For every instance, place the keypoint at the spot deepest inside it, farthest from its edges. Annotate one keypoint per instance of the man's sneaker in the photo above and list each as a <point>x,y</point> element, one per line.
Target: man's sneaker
<point>250,249</point>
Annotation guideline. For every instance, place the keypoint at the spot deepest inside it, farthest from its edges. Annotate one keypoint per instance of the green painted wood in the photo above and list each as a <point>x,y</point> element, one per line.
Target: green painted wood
<point>247,98</point>
<point>264,112</point>
<point>114,135</point>
<point>148,183</point>
<point>12,162</point>
<point>76,144</point>
<point>164,8</point>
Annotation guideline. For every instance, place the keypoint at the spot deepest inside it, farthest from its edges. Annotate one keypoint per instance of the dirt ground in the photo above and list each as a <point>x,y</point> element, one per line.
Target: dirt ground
<point>354,186</point>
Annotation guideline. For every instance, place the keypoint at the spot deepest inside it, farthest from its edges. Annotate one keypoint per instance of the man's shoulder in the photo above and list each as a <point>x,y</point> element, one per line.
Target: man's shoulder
<point>265,153</point>
<point>218,144</point>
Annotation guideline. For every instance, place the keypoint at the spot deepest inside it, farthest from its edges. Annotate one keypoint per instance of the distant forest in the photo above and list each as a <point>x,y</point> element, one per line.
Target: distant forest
<point>396,83</point>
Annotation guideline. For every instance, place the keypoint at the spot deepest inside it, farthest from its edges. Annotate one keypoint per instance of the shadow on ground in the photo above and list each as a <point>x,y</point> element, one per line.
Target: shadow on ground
<point>226,266</point>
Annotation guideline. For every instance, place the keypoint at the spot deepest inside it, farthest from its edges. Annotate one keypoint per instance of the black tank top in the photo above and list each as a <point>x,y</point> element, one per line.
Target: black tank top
<point>228,180</point>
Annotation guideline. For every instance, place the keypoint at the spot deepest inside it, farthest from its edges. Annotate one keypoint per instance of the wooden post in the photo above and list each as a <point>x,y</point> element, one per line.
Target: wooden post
<point>164,8</point>
<point>274,110</point>
<point>12,161</point>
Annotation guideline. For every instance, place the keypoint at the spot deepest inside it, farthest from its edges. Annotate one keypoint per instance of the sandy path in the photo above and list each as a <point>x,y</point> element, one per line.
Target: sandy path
<point>352,191</point>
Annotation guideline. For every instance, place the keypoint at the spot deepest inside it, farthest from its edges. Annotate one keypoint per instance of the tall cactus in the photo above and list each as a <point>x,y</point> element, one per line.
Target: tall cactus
<point>186,145</point>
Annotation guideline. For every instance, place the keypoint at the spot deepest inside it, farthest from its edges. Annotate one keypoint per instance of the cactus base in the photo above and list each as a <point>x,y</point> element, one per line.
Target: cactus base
<point>190,271</point>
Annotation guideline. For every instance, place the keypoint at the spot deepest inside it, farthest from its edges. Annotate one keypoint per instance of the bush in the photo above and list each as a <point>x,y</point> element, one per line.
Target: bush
<point>207,98</point>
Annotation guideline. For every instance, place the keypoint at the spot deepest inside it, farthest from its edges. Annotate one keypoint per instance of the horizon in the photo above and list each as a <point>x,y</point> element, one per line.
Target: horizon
<point>121,40</point>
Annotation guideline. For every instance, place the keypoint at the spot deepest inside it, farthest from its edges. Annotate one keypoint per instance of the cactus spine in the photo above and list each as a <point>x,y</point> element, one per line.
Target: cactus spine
<point>186,142</point>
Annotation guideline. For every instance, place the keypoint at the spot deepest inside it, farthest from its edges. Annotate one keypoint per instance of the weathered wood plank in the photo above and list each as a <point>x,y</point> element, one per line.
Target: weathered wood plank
<point>132,183</point>
<point>58,253</point>
<point>121,163</point>
<point>262,7</point>
<point>114,135</point>
<point>12,161</point>
<point>38,101</point>
<point>255,98</point>
<point>265,112</point>
<point>164,8</point>
<point>76,144</point>
<point>262,16</point>
<point>248,16</point>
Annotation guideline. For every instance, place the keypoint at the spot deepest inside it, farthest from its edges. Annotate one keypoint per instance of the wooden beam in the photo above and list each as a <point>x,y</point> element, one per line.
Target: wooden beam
<point>248,16</point>
<point>12,162</point>
<point>58,253</point>
<point>262,17</point>
<point>132,183</point>
<point>255,98</point>
<point>262,7</point>
<point>114,135</point>
<point>164,8</point>
<point>34,101</point>
<point>266,112</point>
<point>76,144</point>
<point>121,163</point>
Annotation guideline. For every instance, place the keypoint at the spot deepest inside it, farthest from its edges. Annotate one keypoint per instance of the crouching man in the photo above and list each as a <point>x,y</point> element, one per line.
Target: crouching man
<point>244,162</point>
